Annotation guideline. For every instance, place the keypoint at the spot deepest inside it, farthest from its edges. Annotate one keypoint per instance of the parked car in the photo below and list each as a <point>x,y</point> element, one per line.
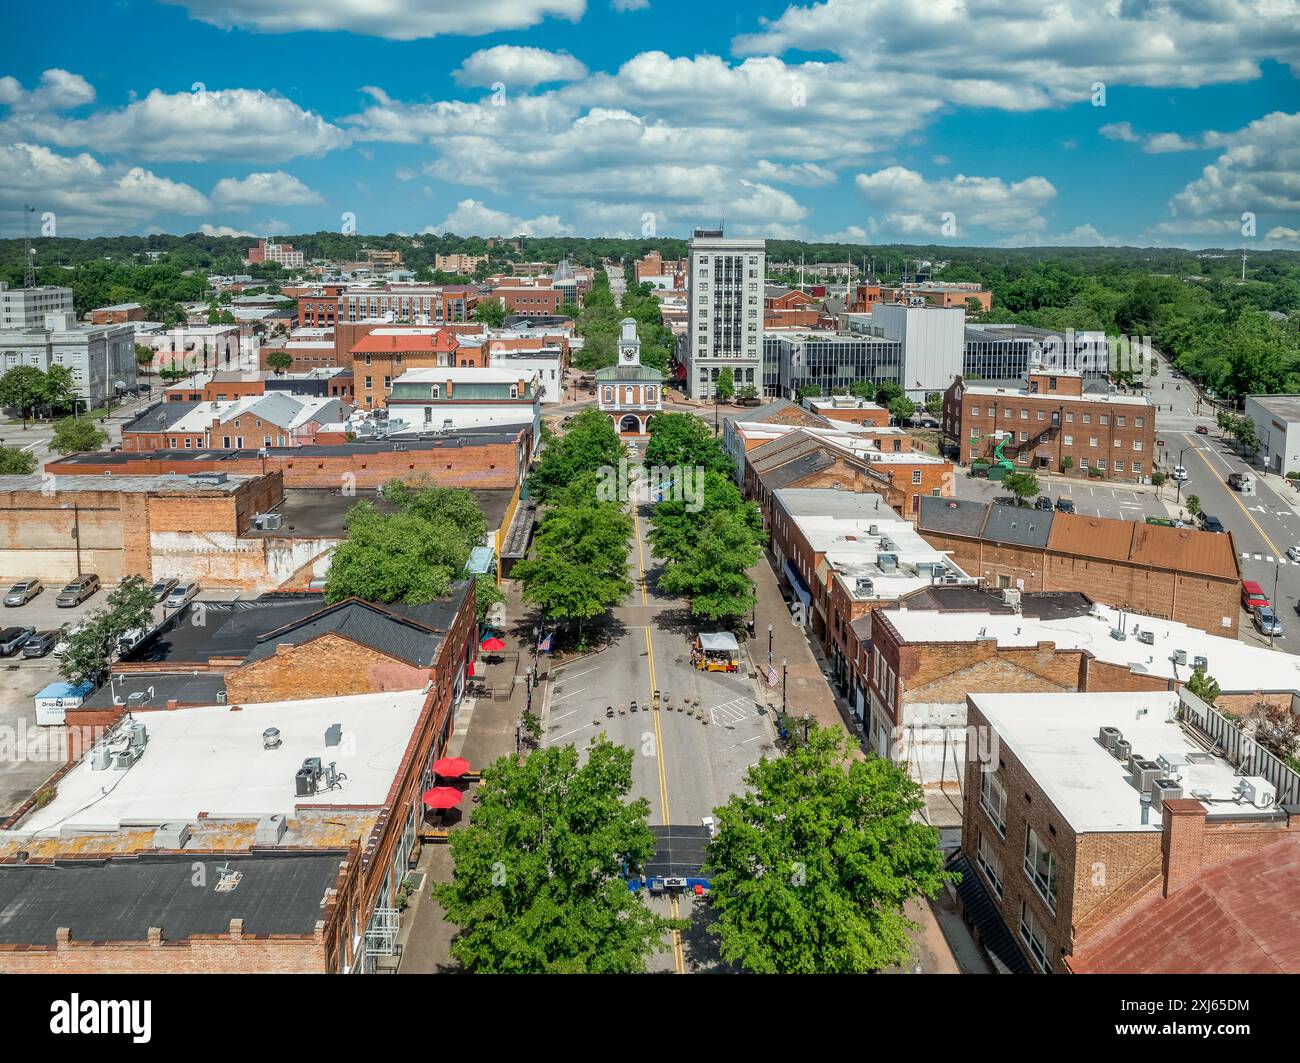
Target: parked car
<point>77,591</point>
<point>1065,504</point>
<point>1212,524</point>
<point>65,633</point>
<point>162,588</point>
<point>1293,553</point>
<point>1179,473</point>
<point>1043,503</point>
<point>181,594</point>
<point>1201,430</point>
<point>1252,595</point>
<point>1267,623</point>
<point>40,644</point>
<point>12,639</point>
<point>23,592</point>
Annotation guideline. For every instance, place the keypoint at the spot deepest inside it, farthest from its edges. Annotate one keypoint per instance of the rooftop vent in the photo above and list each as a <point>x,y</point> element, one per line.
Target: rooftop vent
<point>1148,637</point>
<point>271,738</point>
<point>270,829</point>
<point>171,835</point>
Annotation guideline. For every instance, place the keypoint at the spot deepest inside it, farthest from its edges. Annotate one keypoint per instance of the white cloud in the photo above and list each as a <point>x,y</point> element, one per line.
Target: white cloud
<point>1281,232</point>
<point>518,67</point>
<point>87,197</point>
<point>629,5</point>
<point>473,218</point>
<point>1152,143</point>
<point>1085,235</point>
<point>799,173</point>
<point>914,206</point>
<point>1259,171</point>
<point>224,230</point>
<point>850,234</point>
<point>190,127</point>
<point>275,187</point>
<point>398,20</point>
<point>1019,54</point>
<point>1119,131</point>
<point>58,90</point>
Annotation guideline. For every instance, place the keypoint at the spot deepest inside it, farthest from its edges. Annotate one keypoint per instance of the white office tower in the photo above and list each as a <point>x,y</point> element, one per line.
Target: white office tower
<point>726,312</point>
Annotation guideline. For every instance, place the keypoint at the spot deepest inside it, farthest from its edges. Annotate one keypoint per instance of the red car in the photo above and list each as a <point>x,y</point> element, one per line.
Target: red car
<point>1201,430</point>
<point>1252,596</point>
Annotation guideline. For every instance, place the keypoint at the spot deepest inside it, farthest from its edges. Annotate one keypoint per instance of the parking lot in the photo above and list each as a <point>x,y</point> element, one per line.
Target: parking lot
<point>1090,500</point>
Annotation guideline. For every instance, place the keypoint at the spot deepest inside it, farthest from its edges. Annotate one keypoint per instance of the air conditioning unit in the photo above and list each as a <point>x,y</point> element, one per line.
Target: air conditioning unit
<point>1147,637</point>
<point>1201,664</point>
<point>1108,736</point>
<point>1123,750</point>
<point>1163,790</point>
<point>1011,597</point>
<point>1144,773</point>
<point>1180,656</point>
<point>1258,791</point>
<point>1119,634</point>
<point>864,587</point>
<point>100,758</point>
<point>273,521</point>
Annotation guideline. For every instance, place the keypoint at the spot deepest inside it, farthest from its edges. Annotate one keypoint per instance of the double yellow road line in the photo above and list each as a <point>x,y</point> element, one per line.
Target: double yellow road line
<point>1234,496</point>
<point>679,958</point>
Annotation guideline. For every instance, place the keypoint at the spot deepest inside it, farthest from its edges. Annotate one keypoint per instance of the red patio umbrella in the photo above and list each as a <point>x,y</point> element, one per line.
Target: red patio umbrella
<point>442,797</point>
<point>451,767</point>
<point>492,645</point>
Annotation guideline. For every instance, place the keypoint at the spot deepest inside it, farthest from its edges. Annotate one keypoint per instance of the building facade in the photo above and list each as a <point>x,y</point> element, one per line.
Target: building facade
<point>629,392</point>
<point>725,329</point>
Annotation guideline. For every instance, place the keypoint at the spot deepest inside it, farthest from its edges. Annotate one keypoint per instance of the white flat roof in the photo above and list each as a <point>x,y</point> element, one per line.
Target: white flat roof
<point>211,760</point>
<point>458,375</point>
<point>1238,666</point>
<point>1054,736</point>
<point>1020,393</point>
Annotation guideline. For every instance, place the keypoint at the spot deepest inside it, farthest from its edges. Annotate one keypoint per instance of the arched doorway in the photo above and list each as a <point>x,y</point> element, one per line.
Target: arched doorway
<point>630,424</point>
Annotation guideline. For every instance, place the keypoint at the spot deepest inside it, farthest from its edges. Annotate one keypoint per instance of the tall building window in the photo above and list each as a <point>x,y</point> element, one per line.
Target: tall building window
<point>993,800</point>
<point>1031,933</point>
<point>1040,866</point>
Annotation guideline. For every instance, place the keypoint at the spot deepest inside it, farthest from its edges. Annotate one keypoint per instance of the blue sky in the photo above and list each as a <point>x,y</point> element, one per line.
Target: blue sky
<point>1133,121</point>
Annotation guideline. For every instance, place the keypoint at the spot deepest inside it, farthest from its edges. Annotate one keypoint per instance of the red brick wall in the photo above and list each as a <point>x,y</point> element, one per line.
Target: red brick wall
<point>326,667</point>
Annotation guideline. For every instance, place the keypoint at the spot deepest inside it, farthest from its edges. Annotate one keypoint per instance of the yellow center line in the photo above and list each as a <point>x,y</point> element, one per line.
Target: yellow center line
<point>1233,495</point>
<point>679,960</point>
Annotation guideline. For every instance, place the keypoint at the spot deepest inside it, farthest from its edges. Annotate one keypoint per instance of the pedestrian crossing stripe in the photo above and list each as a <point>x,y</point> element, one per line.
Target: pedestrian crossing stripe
<point>1247,556</point>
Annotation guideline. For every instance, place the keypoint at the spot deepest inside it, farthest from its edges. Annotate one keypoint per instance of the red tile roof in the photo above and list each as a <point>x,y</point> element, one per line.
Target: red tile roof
<point>440,342</point>
<point>1239,918</point>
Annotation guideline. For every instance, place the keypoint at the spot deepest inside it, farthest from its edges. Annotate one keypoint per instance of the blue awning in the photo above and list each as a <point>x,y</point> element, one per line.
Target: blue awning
<point>797,584</point>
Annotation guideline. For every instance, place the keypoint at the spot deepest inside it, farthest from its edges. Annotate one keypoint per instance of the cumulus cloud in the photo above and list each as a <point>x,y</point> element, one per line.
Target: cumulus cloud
<point>518,67</point>
<point>189,127</point>
<point>629,5</point>
<point>911,205</point>
<point>87,197</point>
<point>1152,143</point>
<point>1259,171</point>
<point>224,230</point>
<point>58,90</point>
<point>474,218</point>
<point>398,20</point>
<point>275,187</point>
<point>799,173</point>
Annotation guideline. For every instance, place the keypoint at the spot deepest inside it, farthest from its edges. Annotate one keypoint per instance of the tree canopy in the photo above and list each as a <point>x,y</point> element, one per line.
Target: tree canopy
<point>538,882</point>
<point>814,861</point>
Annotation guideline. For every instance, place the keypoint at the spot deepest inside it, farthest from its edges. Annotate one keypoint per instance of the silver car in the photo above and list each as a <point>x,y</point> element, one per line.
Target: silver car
<point>180,594</point>
<point>1267,623</point>
<point>23,592</point>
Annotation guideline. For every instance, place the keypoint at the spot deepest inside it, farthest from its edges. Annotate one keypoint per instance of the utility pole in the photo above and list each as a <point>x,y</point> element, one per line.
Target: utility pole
<point>1277,569</point>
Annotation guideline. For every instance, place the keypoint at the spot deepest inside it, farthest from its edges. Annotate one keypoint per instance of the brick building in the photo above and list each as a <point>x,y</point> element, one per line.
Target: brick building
<point>393,303</point>
<point>1171,573</point>
<point>940,643</point>
<point>528,297</point>
<point>483,458</point>
<point>117,314</point>
<point>274,419</point>
<point>843,555</point>
<point>1082,807</point>
<point>1053,425</point>
<point>851,410</point>
<point>384,354</point>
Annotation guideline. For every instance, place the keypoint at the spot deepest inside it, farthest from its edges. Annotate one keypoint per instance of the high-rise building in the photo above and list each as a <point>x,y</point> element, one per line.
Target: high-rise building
<point>26,307</point>
<point>726,312</point>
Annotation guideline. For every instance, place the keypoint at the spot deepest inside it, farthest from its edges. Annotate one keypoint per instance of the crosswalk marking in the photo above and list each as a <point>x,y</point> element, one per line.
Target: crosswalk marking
<point>1246,555</point>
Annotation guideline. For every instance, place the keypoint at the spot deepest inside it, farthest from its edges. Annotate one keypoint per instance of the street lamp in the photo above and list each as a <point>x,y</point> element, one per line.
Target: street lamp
<point>1277,569</point>
<point>783,673</point>
<point>769,644</point>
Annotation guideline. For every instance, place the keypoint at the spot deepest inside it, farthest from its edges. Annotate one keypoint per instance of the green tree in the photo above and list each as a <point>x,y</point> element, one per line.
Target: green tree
<point>279,361</point>
<point>887,392</point>
<point>412,555</point>
<point>902,409</point>
<point>490,312</point>
<point>72,435</point>
<point>683,440</point>
<point>1192,503</point>
<point>934,405</point>
<point>749,392</point>
<point>712,572</point>
<point>22,388</point>
<point>1204,686</point>
<point>89,651</point>
<point>15,462</point>
<point>538,886</point>
<point>60,389</point>
<point>590,443</point>
<point>724,388</point>
<point>1023,485</point>
<point>814,861</point>
<point>487,596</point>
<point>809,391</point>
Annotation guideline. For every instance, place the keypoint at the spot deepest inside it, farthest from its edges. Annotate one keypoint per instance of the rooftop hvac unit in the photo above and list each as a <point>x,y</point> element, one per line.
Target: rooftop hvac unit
<point>274,521</point>
<point>1108,736</point>
<point>1163,790</point>
<point>313,765</point>
<point>1258,791</point>
<point>124,759</point>
<point>1172,763</point>
<point>271,738</point>
<point>863,587</point>
<point>1201,664</point>
<point>135,699</point>
<point>138,736</point>
<point>1148,637</point>
<point>887,562</point>
<point>171,835</point>
<point>1011,597</point>
<point>100,758</point>
<point>1144,773</point>
<point>221,697</point>
<point>333,734</point>
<point>304,782</point>
<point>873,529</point>
<point>1118,634</point>
<point>270,829</point>
<point>1123,750</point>
<point>887,544</point>
<point>1180,656</point>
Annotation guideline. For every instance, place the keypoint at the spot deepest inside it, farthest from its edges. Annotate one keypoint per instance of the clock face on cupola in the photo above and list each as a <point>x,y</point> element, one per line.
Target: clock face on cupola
<point>627,355</point>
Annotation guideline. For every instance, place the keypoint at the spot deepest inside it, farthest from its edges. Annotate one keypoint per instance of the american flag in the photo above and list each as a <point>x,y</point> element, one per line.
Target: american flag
<point>545,645</point>
<point>771,676</point>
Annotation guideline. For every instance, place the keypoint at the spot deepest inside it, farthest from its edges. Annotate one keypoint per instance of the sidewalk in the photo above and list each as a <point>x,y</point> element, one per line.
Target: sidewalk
<point>485,731</point>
